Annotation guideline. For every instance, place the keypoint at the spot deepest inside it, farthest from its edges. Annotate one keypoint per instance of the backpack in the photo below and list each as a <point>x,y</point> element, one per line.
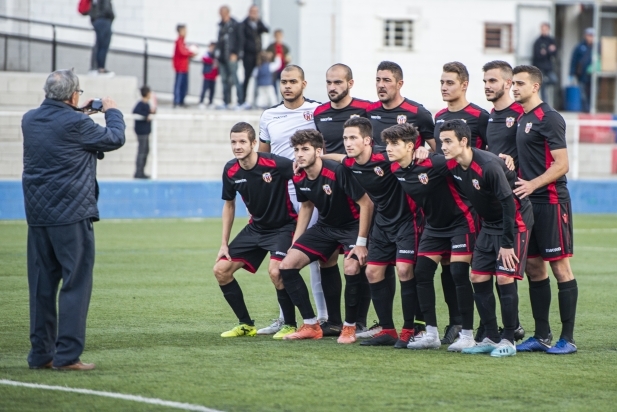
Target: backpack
<point>84,7</point>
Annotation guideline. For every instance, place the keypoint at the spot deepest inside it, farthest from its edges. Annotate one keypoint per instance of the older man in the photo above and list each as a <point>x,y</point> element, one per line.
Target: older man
<point>61,144</point>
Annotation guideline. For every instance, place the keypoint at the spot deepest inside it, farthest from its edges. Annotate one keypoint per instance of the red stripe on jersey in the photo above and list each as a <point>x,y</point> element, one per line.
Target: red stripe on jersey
<point>299,177</point>
<point>353,208</point>
<point>472,111</point>
<point>266,162</point>
<point>349,161</point>
<point>551,187</point>
<point>320,109</point>
<point>493,110</point>
<point>442,111</point>
<point>233,170</point>
<point>517,107</point>
<point>377,157</point>
<point>360,104</point>
<point>479,143</point>
<point>409,107</point>
<point>539,113</point>
<point>328,173</point>
<point>394,166</point>
<point>451,164</point>
<point>559,226</point>
<point>412,206</point>
<point>373,106</point>
<point>290,207</point>
<point>476,168</point>
<point>461,205</point>
<point>426,162</point>
<point>518,218</point>
<point>311,251</point>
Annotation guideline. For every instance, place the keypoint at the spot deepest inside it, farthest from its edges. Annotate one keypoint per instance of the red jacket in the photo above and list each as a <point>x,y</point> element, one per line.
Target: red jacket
<point>181,56</point>
<point>209,63</point>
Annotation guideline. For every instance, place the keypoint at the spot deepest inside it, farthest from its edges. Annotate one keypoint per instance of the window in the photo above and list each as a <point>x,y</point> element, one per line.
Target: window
<point>398,34</point>
<point>498,37</point>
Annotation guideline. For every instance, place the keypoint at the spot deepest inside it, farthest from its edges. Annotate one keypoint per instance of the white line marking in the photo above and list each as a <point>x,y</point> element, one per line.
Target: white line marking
<point>597,230</point>
<point>152,401</point>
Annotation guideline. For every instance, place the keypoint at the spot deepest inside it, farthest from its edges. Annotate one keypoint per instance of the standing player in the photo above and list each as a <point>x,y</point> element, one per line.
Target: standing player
<point>449,232</point>
<point>543,160</point>
<point>276,126</point>
<point>330,188</point>
<point>501,246</point>
<point>454,83</point>
<point>261,179</point>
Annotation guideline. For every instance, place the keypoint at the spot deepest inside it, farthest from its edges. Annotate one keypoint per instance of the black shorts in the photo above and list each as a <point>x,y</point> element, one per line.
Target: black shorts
<point>251,245</point>
<point>484,260</point>
<point>460,245</point>
<point>319,242</point>
<point>552,233</point>
<point>390,247</point>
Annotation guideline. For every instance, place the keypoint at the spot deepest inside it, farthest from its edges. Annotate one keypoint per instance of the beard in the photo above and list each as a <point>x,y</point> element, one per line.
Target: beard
<point>498,94</point>
<point>293,98</point>
<point>339,96</point>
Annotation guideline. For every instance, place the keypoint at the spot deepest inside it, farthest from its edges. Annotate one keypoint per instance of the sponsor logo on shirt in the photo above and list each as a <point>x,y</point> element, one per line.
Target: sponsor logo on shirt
<point>378,171</point>
<point>490,119</point>
<point>280,117</point>
<point>509,121</point>
<point>327,189</point>
<point>440,121</point>
<point>423,178</point>
<point>405,251</point>
<point>357,171</point>
<point>376,117</point>
<point>555,249</point>
<point>402,179</point>
<point>280,253</point>
<point>459,246</point>
<point>308,116</point>
<point>267,177</point>
<point>240,181</point>
<point>305,189</point>
<point>401,118</point>
<point>528,127</point>
<point>325,119</point>
<point>476,184</point>
<point>458,177</point>
<point>354,115</point>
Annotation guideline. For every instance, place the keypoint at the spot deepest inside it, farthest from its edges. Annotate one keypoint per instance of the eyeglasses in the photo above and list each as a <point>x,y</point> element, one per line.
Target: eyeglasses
<point>79,91</point>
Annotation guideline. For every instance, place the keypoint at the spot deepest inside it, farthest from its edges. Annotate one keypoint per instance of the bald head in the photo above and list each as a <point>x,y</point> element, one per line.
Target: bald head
<point>342,67</point>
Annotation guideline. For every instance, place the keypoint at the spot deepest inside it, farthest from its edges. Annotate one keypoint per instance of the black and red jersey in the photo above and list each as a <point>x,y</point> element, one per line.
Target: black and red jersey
<point>407,112</point>
<point>263,189</point>
<point>501,131</point>
<point>539,132</point>
<point>334,193</point>
<point>486,183</point>
<point>475,117</point>
<point>392,206</point>
<point>329,121</point>
<point>430,185</point>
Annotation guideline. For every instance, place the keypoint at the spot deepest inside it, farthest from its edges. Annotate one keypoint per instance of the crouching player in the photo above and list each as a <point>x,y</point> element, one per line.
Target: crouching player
<point>449,232</point>
<point>261,179</point>
<point>501,246</point>
<point>328,186</point>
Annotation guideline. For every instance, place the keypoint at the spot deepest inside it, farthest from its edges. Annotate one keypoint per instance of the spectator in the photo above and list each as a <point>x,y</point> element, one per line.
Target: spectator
<point>253,29</point>
<point>61,146</point>
<point>263,80</point>
<point>230,46</point>
<point>182,55</point>
<point>210,72</point>
<point>544,50</point>
<point>580,67</point>
<point>101,16</point>
<point>279,49</point>
<point>143,127</point>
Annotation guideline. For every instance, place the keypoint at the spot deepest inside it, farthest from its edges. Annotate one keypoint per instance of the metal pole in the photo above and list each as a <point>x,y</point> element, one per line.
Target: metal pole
<point>155,150</point>
<point>6,51</point>
<point>594,56</point>
<point>53,49</point>
<point>145,61</point>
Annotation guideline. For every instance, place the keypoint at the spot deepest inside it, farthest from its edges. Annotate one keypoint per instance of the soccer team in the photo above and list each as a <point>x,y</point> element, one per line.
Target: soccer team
<point>390,187</point>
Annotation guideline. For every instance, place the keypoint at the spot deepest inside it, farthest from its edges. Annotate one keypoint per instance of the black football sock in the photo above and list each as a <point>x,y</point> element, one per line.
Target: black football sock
<point>298,292</point>
<point>409,296</point>
<point>449,295</point>
<point>540,298</point>
<point>235,298</point>
<point>518,320</point>
<point>352,289</point>
<point>364,297</point>
<point>425,276</point>
<point>485,302</point>
<point>464,293</point>
<point>287,306</point>
<point>509,309</point>
<point>390,276</point>
<point>380,293</point>
<point>568,296</point>
<point>332,288</point>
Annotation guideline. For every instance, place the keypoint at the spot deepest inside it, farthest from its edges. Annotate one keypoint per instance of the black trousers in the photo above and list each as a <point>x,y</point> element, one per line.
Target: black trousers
<point>143,147</point>
<point>59,253</point>
<point>249,61</point>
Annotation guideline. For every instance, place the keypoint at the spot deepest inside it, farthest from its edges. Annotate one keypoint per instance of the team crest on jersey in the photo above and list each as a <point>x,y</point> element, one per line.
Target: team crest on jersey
<point>528,127</point>
<point>308,116</point>
<point>401,118</point>
<point>354,115</point>
<point>378,171</point>
<point>509,121</point>
<point>423,178</point>
<point>327,189</point>
<point>267,177</point>
<point>476,184</point>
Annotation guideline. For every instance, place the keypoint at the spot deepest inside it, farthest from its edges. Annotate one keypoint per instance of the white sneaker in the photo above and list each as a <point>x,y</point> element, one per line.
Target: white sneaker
<point>464,341</point>
<point>93,72</point>
<point>202,106</point>
<point>425,341</point>
<point>272,329</point>
<point>370,332</point>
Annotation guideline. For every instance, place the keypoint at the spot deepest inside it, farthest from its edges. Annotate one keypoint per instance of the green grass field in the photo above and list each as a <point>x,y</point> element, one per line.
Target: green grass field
<point>157,312</point>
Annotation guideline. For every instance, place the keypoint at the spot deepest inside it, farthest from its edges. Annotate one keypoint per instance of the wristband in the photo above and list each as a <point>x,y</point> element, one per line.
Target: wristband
<point>361,241</point>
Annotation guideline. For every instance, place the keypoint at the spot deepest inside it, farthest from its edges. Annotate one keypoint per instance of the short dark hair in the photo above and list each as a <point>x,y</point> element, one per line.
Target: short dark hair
<point>406,132</point>
<point>291,67</point>
<point>278,31</point>
<point>396,70</point>
<point>310,136</point>
<point>534,73</point>
<point>459,68</point>
<point>362,123</point>
<point>504,66</point>
<point>180,27</point>
<point>144,90</point>
<point>348,73</point>
<point>460,129</point>
<point>244,127</point>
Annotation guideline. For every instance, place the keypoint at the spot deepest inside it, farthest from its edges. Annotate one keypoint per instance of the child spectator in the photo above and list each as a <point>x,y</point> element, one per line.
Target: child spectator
<point>143,118</point>
<point>182,55</point>
<point>263,73</point>
<point>210,72</point>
